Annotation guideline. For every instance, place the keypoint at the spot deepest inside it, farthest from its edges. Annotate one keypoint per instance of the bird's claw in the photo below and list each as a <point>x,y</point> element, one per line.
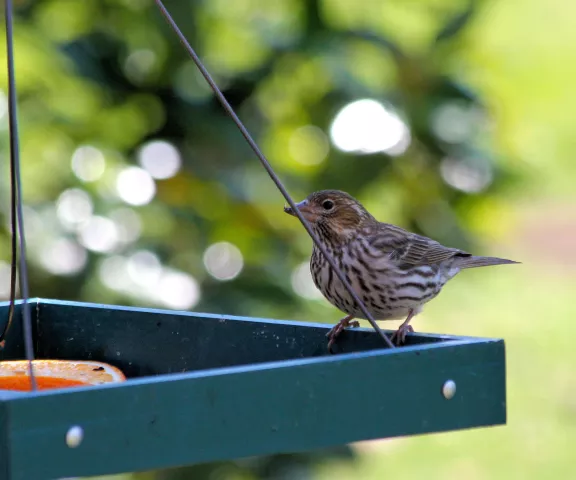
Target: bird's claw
<point>338,329</point>
<point>399,335</point>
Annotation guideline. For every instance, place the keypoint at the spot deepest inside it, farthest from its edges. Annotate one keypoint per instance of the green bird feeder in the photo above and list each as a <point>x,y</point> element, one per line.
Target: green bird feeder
<point>204,387</point>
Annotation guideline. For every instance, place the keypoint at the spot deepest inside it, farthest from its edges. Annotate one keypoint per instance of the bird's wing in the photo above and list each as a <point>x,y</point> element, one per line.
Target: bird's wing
<point>404,247</point>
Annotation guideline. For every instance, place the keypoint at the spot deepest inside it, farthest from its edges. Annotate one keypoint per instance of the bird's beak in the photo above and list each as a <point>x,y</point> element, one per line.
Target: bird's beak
<point>302,206</point>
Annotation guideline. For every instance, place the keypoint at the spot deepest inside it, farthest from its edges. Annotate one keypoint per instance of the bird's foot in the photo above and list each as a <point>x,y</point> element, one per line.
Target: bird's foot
<point>399,335</point>
<point>337,329</point>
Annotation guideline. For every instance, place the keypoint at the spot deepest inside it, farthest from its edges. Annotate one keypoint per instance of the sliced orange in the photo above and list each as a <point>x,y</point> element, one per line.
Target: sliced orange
<point>57,374</point>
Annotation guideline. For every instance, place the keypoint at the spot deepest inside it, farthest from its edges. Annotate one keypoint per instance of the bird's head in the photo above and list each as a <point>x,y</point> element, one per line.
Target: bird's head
<point>334,211</point>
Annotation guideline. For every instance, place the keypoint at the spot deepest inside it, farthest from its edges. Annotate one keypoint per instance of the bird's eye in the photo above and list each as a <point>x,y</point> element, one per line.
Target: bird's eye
<point>328,204</point>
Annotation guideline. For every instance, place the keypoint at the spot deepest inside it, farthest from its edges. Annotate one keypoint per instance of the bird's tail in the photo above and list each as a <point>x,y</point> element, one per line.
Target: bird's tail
<point>473,261</point>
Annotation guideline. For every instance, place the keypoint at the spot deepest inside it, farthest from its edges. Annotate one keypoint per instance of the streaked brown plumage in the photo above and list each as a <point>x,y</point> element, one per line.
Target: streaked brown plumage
<point>393,271</point>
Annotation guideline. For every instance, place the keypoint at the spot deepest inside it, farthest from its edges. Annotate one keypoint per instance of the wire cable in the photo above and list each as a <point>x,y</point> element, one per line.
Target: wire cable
<point>16,200</point>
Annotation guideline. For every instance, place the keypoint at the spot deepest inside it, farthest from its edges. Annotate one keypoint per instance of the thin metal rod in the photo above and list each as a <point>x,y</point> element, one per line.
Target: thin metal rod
<point>15,165</point>
<point>269,169</point>
<point>14,256</point>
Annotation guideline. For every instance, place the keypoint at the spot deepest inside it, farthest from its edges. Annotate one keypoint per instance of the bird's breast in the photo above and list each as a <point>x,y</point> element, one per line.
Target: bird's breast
<point>388,291</point>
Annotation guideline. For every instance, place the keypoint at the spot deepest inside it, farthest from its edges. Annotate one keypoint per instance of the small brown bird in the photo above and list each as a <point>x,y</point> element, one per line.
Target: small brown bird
<point>393,271</point>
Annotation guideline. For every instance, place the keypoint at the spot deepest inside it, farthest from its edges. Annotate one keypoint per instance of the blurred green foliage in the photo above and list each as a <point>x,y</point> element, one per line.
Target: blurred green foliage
<point>483,91</point>
<point>112,75</point>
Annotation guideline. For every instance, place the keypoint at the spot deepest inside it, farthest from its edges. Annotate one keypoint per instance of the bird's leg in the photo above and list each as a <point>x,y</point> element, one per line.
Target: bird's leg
<point>404,329</point>
<point>347,321</point>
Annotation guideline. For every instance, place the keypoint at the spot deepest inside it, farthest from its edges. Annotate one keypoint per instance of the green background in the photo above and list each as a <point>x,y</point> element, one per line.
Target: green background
<point>486,90</point>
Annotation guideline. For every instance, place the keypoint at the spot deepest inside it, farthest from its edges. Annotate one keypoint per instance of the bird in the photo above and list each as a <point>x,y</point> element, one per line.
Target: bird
<point>393,271</point>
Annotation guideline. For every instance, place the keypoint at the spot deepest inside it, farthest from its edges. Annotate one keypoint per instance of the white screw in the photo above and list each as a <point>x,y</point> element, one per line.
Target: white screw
<point>449,389</point>
<point>74,436</point>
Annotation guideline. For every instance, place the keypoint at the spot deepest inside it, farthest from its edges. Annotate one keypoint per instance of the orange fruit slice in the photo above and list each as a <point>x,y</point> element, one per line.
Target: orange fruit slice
<point>57,374</point>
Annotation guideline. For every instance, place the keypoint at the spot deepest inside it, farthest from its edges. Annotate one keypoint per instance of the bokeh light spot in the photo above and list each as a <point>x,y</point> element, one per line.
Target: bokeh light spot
<point>99,234</point>
<point>223,261</point>
<point>178,290</point>
<point>160,159</point>
<point>5,280</point>
<point>455,122</point>
<point>63,257</point>
<point>470,176</point>
<point>74,208</point>
<point>139,64</point>
<point>303,284</point>
<point>113,272</point>
<point>366,126</point>
<point>144,268</point>
<point>135,186</point>
<point>88,163</point>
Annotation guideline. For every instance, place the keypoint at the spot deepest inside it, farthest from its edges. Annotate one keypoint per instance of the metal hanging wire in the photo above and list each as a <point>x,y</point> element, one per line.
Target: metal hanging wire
<point>13,256</point>
<point>269,169</point>
<point>17,220</point>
